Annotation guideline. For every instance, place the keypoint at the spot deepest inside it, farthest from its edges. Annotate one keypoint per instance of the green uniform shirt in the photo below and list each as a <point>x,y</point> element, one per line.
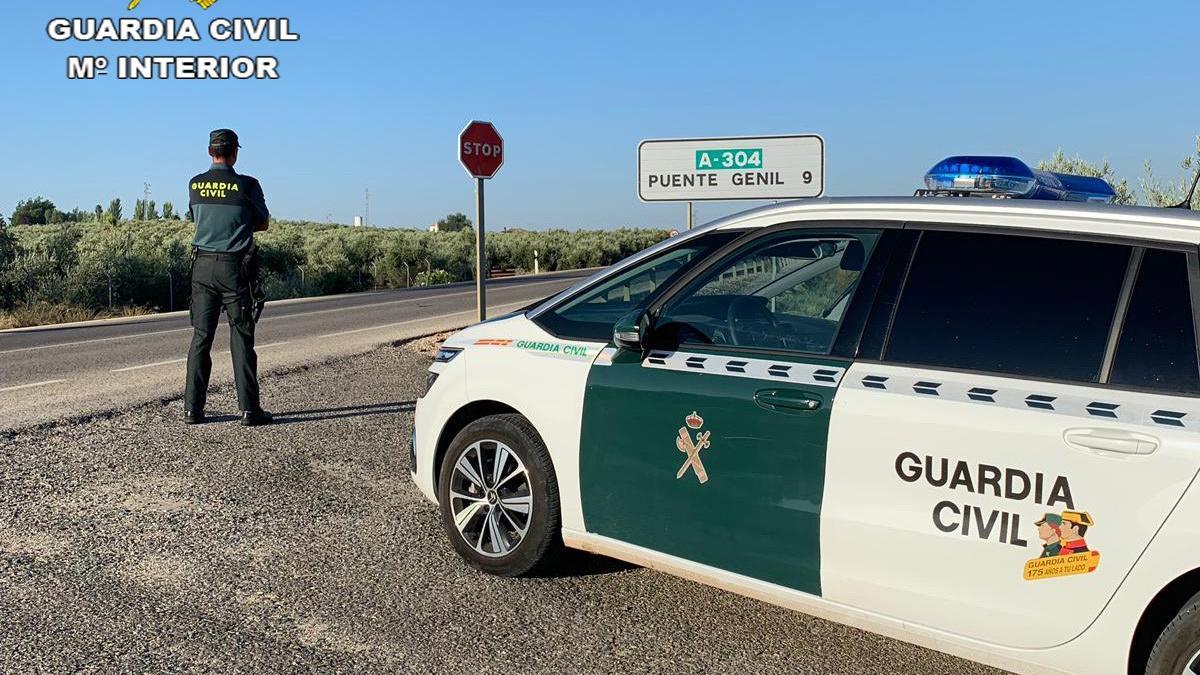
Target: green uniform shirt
<point>226,207</point>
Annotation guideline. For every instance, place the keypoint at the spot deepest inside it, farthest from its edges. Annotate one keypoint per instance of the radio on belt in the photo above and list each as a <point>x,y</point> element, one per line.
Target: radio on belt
<point>1010,178</point>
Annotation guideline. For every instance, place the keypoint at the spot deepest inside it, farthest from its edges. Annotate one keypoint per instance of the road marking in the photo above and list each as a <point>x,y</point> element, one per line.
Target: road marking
<point>88,342</point>
<point>259,348</point>
<point>31,386</point>
<point>412,321</point>
<point>174,361</point>
<point>423,298</point>
<point>148,365</point>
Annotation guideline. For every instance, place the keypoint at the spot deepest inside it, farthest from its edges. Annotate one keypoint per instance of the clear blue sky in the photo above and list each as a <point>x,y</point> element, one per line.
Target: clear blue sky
<point>376,91</point>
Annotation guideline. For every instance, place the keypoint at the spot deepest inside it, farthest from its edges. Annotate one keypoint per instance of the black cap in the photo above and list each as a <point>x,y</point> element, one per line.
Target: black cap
<point>223,137</point>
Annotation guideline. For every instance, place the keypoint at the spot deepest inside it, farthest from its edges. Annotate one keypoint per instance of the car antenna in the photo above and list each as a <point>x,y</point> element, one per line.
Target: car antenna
<point>1187,202</point>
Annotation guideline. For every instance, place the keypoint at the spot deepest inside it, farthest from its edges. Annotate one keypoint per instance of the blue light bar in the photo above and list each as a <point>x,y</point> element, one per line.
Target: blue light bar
<point>1009,177</point>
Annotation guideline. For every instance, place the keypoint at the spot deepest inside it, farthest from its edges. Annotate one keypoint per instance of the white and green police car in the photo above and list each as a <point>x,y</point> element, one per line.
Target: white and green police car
<point>971,424</point>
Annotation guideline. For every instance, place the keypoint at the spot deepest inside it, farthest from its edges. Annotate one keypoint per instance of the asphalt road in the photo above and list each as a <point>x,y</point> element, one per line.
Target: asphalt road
<point>55,372</point>
<point>130,542</point>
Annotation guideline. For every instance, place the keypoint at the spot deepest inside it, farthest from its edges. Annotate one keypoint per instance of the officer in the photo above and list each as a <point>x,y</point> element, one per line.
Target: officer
<point>1074,526</point>
<point>1050,532</point>
<point>228,208</point>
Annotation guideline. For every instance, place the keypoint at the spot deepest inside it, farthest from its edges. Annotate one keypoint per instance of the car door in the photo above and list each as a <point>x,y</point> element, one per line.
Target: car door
<point>710,444</point>
<point>1017,427</point>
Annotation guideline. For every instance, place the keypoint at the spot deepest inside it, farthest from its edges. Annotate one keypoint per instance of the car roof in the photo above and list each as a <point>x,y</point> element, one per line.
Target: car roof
<point>1140,222</point>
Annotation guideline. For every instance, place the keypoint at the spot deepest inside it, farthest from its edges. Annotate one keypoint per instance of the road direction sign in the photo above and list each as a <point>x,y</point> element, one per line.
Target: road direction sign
<point>481,149</point>
<point>746,167</point>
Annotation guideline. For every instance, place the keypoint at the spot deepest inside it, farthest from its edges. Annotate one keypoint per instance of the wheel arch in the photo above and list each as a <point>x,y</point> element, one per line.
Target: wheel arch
<point>460,419</point>
<point>1157,615</point>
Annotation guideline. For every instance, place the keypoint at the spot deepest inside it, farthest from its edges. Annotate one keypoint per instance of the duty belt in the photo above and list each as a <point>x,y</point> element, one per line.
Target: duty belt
<point>249,269</point>
<point>201,253</point>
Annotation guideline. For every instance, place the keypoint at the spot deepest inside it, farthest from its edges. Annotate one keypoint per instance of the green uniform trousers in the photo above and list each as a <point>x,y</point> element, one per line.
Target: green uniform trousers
<point>219,282</point>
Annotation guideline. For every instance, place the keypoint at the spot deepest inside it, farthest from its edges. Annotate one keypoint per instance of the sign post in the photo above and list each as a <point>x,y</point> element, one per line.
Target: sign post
<point>481,151</point>
<point>745,167</point>
<point>480,257</point>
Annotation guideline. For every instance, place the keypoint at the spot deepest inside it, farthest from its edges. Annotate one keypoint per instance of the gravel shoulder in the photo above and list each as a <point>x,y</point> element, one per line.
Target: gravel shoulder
<point>132,542</point>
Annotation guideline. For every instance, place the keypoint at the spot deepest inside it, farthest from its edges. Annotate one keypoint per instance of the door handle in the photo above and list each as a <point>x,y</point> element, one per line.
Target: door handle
<point>1111,440</point>
<point>780,399</point>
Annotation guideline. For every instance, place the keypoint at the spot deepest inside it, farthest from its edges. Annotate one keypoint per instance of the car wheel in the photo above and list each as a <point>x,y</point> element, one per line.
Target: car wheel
<point>499,497</point>
<point>1177,651</point>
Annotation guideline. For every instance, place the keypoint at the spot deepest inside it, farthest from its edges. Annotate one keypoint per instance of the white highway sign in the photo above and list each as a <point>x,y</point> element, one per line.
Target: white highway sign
<point>749,167</point>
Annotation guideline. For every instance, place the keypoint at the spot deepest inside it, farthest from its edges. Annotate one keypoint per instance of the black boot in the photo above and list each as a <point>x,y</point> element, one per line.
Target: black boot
<point>193,417</point>
<point>256,418</point>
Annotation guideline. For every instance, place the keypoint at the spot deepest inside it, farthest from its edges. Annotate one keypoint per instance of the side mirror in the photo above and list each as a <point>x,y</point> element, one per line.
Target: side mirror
<point>630,331</point>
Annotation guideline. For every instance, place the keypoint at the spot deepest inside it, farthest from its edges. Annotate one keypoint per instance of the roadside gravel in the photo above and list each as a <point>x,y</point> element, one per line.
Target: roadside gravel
<point>130,542</point>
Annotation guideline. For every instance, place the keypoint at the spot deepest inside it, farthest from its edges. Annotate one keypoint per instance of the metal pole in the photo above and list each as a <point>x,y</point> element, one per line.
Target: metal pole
<point>480,252</point>
<point>689,220</point>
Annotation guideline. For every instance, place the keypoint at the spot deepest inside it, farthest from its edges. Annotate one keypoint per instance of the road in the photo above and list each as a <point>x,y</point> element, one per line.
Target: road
<point>55,372</point>
<point>133,543</point>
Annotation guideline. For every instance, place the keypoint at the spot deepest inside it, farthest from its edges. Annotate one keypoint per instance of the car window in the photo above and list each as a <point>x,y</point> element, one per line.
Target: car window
<point>1157,349</point>
<point>590,315</point>
<point>1008,304</point>
<point>787,292</point>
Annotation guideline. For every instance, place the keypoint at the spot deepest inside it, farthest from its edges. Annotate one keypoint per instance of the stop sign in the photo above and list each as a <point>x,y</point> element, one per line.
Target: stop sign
<point>480,149</point>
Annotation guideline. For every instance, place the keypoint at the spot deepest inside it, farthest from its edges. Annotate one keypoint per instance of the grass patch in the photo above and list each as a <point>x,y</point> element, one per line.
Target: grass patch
<point>45,314</point>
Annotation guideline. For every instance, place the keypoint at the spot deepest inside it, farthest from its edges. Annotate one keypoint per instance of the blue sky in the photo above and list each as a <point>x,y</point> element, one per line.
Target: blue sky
<point>375,93</point>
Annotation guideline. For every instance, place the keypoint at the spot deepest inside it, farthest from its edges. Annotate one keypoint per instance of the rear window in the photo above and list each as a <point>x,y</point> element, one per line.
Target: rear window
<point>1009,304</point>
<point>1157,348</point>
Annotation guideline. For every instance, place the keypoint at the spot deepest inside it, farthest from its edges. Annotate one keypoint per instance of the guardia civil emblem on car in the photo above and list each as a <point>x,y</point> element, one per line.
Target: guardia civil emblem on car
<point>1064,550</point>
<point>692,446</point>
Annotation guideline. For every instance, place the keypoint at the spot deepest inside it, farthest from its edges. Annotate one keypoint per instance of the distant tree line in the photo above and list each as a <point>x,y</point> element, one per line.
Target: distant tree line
<point>96,262</point>
<point>104,264</point>
<point>42,211</point>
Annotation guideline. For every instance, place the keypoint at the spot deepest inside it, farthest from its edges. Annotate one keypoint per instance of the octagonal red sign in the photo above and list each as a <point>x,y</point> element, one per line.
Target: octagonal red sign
<point>481,149</point>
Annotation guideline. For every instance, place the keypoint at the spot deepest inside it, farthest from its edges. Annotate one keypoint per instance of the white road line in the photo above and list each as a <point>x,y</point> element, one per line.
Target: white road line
<point>148,365</point>
<point>259,348</point>
<point>31,386</point>
<point>88,342</point>
<point>424,298</point>
<point>412,321</point>
<point>183,360</point>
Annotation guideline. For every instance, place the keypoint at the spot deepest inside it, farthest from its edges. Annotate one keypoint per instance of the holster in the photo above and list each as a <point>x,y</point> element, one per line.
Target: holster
<point>252,273</point>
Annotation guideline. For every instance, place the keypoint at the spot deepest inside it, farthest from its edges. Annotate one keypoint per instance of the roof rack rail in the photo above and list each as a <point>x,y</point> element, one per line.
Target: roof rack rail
<point>925,192</point>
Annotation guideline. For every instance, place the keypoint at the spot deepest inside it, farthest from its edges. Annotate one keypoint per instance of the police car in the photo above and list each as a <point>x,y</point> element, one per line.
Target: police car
<point>972,424</point>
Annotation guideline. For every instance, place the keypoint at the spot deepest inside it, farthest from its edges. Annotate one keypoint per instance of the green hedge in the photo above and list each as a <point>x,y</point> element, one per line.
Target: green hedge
<point>143,264</point>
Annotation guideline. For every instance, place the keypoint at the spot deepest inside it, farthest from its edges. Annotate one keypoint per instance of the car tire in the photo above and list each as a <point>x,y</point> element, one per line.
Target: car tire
<point>505,519</point>
<point>1177,650</point>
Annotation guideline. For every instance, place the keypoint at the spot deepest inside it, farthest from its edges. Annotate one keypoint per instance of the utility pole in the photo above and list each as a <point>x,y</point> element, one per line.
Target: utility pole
<point>367,209</point>
<point>689,215</point>
<point>146,201</point>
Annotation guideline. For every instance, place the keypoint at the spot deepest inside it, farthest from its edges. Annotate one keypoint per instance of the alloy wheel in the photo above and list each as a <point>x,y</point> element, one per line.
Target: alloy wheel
<point>490,498</point>
<point>1193,665</point>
